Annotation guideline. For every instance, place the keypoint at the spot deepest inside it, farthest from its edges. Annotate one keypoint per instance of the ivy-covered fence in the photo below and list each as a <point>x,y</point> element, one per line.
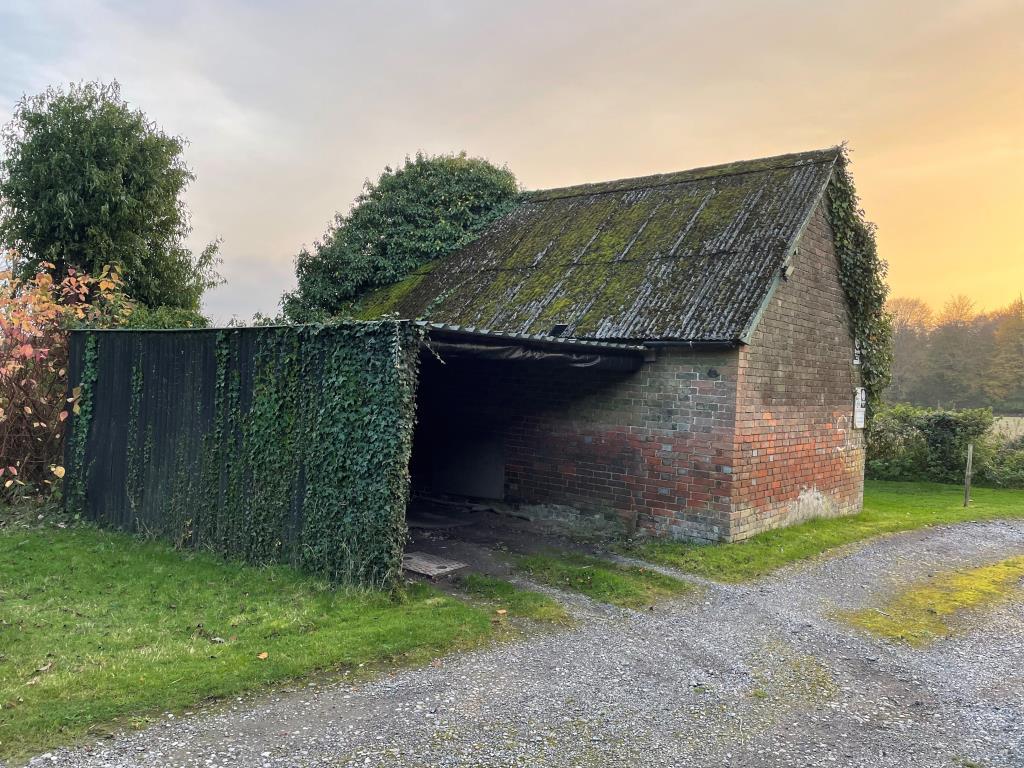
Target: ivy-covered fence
<point>281,444</point>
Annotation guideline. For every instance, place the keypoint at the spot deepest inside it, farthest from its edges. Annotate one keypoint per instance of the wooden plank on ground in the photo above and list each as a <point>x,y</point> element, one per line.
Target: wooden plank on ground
<point>430,565</point>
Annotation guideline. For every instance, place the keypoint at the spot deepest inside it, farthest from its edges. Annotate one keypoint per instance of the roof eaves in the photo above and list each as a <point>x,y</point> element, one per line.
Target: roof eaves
<point>538,339</point>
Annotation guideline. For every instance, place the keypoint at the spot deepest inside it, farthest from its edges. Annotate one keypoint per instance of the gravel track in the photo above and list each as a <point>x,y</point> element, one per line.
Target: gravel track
<point>744,675</point>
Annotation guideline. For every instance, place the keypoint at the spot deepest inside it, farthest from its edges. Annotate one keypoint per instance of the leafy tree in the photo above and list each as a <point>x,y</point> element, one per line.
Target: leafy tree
<point>86,181</point>
<point>959,310</point>
<point>962,358</point>
<point>909,314</point>
<point>1004,383</point>
<point>164,317</point>
<point>911,323</point>
<point>424,210</point>
<point>954,364</point>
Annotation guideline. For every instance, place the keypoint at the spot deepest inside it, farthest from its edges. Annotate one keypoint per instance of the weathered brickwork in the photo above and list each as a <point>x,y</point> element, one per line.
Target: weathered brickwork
<point>710,445</point>
<point>797,453</point>
<point>652,447</point>
<point>655,448</point>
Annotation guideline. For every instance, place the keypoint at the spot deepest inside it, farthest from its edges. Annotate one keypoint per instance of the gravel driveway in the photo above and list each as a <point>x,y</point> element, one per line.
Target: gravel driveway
<point>752,675</point>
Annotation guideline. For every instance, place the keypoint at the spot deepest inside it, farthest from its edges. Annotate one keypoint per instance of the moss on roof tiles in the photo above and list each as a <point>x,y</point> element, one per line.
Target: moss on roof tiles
<point>387,299</point>
<point>688,255</point>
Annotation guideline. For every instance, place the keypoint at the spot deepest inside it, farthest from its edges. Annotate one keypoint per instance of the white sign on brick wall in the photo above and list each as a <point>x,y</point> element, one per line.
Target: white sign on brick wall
<point>860,408</point>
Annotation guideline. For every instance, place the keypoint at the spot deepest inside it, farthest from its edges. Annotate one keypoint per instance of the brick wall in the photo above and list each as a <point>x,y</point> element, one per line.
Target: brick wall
<point>656,448</point>
<point>797,454</point>
<point>652,447</point>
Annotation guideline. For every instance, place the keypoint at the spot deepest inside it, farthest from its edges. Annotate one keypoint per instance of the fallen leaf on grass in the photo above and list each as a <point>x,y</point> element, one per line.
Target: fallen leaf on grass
<point>263,655</point>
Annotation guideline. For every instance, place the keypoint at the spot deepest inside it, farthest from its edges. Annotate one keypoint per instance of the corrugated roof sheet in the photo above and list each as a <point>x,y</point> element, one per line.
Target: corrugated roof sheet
<point>685,256</point>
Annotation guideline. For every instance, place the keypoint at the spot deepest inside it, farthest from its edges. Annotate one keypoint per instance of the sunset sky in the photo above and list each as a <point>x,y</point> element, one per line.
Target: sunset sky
<point>290,106</point>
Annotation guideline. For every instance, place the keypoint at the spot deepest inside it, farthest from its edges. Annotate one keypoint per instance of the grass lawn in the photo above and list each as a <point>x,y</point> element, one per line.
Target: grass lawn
<point>626,586</point>
<point>888,508</point>
<point>935,608</point>
<point>98,628</point>
<point>515,602</point>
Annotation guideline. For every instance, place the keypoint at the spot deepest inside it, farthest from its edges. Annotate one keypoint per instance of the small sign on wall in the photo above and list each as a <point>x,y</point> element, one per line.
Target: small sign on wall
<point>860,408</point>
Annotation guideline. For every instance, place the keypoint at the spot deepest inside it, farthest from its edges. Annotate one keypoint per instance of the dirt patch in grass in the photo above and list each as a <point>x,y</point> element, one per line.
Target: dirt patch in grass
<point>99,628</point>
<point>888,508</point>
<point>625,586</point>
<point>942,605</point>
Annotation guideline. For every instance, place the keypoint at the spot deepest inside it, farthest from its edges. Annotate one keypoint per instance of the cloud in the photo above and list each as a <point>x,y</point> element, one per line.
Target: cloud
<point>290,106</point>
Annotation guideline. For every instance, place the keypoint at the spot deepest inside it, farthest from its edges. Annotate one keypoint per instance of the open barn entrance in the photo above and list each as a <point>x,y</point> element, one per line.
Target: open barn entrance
<point>505,421</point>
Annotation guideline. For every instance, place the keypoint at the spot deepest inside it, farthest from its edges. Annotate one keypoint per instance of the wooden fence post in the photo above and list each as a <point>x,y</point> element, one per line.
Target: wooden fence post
<point>967,474</point>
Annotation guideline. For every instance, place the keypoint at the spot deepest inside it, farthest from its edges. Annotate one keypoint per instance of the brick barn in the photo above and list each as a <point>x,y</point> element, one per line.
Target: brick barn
<point>673,352</point>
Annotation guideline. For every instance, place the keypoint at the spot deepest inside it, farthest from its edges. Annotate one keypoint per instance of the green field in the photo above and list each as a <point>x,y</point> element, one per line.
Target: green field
<point>1009,427</point>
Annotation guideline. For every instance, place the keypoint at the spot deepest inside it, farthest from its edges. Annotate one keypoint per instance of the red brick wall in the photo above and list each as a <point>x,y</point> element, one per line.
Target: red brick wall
<point>797,454</point>
<point>655,448</point>
<point>652,447</point>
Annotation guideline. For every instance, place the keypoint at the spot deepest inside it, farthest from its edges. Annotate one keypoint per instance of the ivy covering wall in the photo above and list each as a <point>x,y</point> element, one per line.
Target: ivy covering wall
<point>282,444</point>
<point>862,273</point>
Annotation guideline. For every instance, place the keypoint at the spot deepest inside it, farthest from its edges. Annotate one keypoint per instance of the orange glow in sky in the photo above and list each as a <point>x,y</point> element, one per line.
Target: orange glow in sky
<point>290,106</point>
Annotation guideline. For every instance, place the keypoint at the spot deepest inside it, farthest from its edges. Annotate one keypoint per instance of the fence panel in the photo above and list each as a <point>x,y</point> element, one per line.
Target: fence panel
<point>285,444</point>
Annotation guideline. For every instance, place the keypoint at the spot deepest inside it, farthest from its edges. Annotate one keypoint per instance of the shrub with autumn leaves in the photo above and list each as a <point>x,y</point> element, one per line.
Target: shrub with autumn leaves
<point>35,317</point>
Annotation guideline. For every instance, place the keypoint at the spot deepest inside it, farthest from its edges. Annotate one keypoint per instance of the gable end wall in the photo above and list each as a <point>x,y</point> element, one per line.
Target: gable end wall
<point>797,454</point>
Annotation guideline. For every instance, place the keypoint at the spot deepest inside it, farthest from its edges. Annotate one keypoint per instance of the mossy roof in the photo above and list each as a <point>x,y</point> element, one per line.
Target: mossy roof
<point>688,256</point>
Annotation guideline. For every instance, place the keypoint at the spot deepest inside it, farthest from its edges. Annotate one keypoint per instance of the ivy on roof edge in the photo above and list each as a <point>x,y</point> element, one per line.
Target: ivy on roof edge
<point>862,274</point>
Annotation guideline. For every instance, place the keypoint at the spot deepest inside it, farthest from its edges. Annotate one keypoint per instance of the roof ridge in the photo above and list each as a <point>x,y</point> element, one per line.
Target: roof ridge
<point>736,168</point>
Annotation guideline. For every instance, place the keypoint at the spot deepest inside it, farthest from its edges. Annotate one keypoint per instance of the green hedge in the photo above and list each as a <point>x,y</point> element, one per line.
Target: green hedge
<point>282,444</point>
<point>1006,468</point>
<point>910,443</point>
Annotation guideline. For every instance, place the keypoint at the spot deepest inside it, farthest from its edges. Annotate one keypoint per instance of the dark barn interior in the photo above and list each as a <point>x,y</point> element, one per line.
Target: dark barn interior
<point>496,415</point>
<point>464,411</point>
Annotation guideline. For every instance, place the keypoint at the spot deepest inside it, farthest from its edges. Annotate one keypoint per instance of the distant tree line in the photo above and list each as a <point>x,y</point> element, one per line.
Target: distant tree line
<point>958,357</point>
